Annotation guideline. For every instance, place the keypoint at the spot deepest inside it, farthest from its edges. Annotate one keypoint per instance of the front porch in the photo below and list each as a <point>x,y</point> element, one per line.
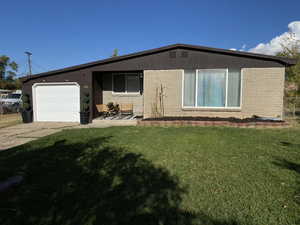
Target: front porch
<point>118,117</point>
<point>117,120</point>
<point>122,89</point>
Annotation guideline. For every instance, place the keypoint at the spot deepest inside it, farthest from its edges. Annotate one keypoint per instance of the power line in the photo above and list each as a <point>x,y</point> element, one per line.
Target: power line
<point>39,66</point>
<point>29,54</point>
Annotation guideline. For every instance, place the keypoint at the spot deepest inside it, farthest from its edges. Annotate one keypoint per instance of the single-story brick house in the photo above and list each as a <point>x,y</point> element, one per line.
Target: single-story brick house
<point>179,79</point>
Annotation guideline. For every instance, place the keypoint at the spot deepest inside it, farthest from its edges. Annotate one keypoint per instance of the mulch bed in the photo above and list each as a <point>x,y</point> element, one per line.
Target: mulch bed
<point>211,121</point>
<point>230,119</point>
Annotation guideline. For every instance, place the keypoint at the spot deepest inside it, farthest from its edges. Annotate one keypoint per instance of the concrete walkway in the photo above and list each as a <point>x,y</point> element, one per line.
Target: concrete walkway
<point>22,133</point>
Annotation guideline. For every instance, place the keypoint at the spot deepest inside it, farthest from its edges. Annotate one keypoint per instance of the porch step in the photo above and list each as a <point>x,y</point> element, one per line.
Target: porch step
<point>108,123</point>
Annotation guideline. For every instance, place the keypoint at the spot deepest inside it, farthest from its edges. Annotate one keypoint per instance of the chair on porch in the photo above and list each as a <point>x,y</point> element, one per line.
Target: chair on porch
<point>102,109</point>
<point>126,109</point>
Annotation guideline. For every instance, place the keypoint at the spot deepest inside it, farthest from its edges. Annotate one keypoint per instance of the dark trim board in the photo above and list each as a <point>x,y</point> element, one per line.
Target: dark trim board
<point>177,56</point>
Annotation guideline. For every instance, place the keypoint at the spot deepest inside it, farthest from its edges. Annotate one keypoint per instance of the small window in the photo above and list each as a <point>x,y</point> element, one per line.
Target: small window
<point>119,83</point>
<point>126,83</point>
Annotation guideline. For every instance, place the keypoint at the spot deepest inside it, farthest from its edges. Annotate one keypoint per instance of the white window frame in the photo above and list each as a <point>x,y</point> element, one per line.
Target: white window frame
<point>126,92</point>
<point>226,93</point>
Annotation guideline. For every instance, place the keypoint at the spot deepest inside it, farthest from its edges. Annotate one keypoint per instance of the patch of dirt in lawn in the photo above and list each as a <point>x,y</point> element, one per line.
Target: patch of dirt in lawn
<point>7,120</point>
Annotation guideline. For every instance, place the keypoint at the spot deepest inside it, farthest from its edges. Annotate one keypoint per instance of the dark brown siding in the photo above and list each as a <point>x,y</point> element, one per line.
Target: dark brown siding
<point>174,59</point>
<point>97,92</point>
<point>193,60</point>
<point>83,78</point>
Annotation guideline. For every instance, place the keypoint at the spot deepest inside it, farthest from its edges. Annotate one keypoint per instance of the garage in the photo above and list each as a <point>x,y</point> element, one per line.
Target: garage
<point>56,102</point>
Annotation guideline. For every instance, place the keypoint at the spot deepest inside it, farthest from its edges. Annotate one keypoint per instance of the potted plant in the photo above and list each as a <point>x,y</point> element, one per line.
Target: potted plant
<point>113,109</point>
<point>26,110</point>
<point>85,109</point>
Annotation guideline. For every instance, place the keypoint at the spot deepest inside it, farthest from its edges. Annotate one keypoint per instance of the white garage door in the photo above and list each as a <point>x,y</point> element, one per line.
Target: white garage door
<point>57,103</point>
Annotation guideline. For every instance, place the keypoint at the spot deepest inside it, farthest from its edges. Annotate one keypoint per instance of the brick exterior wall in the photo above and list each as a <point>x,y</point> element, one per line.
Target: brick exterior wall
<point>109,96</point>
<point>263,90</point>
<point>262,94</point>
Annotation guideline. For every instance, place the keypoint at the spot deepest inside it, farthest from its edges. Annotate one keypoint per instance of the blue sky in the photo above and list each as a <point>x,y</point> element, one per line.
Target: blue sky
<point>65,33</point>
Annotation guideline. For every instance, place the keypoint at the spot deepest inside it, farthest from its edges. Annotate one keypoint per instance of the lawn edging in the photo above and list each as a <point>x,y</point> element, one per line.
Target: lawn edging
<point>162,123</point>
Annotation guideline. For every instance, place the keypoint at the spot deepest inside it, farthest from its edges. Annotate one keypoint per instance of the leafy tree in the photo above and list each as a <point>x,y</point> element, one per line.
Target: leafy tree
<point>8,68</point>
<point>11,84</point>
<point>291,49</point>
<point>115,53</point>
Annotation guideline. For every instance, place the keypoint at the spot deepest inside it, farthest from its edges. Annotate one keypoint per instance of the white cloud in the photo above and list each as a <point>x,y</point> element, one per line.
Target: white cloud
<point>274,46</point>
<point>243,47</point>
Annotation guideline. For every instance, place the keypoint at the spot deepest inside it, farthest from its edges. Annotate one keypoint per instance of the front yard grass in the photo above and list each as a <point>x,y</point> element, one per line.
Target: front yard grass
<point>155,175</point>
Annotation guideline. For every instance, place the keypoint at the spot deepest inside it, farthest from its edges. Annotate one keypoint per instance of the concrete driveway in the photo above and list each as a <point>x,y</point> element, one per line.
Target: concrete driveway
<point>22,133</point>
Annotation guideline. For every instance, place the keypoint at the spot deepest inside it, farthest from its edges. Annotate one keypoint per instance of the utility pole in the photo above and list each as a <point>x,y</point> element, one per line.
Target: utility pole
<point>29,54</point>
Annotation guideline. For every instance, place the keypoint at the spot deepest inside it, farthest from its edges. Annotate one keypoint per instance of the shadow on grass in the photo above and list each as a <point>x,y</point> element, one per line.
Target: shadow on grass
<point>93,183</point>
<point>289,144</point>
<point>294,167</point>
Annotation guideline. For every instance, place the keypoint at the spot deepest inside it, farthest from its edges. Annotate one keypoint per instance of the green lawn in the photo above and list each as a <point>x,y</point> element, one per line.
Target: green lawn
<point>152,175</point>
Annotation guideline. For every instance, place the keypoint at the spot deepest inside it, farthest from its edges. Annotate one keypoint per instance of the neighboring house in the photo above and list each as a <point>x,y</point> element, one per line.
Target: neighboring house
<point>183,80</point>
